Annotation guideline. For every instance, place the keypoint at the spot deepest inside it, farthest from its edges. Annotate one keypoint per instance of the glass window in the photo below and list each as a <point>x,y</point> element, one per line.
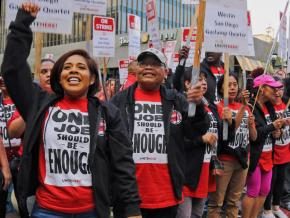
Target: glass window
<point>162,15</point>
<point>178,15</point>
<point>166,16</point>
<point>129,6</point>
<point>134,6</point>
<point>171,14</point>
<point>124,22</point>
<point>140,8</point>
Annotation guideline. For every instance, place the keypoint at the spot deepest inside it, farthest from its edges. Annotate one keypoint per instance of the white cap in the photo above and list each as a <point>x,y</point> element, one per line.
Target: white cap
<point>152,51</point>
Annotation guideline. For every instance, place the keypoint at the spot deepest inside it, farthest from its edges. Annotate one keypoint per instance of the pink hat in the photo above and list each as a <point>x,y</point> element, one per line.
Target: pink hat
<point>266,80</point>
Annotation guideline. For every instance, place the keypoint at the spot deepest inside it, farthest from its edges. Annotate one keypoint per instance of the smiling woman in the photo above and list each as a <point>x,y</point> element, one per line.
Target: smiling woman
<point>75,75</point>
<point>77,144</point>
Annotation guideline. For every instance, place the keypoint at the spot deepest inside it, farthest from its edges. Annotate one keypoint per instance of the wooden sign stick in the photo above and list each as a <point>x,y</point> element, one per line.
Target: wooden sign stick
<point>88,33</point>
<point>38,53</point>
<point>226,94</point>
<point>199,14</point>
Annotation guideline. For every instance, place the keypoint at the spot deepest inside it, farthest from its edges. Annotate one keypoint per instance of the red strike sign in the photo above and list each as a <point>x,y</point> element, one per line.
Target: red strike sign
<point>132,21</point>
<point>176,57</point>
<point>150,10</point>
<point>104,24</point>
<point>123,63</point>
<point>186,33</point>
<point>249,18</point>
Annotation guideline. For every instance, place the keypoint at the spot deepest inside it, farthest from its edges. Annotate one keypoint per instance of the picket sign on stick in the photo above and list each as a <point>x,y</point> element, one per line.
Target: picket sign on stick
<point>105,78</point>
<point>226,94</point>
<point>88,33</point>
<point>199,14</point>
<point>244,80</point>
<point>193,24</point>
<point>272,51</point>
<point>38,52</point>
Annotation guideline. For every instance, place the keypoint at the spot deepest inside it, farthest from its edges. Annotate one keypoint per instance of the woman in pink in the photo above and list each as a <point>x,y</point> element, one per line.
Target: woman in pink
<point>261,163</point>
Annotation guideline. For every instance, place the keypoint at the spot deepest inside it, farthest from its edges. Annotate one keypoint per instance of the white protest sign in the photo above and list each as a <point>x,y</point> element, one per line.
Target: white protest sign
<point>185,32</point>
<point>282,49</point>
<point>190,2</point>
<point>168,50</point>
<point>96,7</point>
<point>53,17</point>
<point>153,23</point>
<point>134,28</point>
<point>123,70</point>
<point>104,37</point>
<point>225,27</point>
<point>174,62</point>
<point>250,36</point>
<point>288,62</point>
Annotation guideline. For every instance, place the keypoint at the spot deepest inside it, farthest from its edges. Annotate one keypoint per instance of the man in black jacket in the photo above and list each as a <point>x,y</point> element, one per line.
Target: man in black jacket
<point>157,123</point>
<point>213,67</point>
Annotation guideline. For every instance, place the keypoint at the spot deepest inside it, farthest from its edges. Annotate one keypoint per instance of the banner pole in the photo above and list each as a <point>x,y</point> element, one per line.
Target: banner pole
<point>38,53</point>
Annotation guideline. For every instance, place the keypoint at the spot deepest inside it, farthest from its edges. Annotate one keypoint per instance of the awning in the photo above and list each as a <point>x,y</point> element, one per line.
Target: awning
<point>249,64</point>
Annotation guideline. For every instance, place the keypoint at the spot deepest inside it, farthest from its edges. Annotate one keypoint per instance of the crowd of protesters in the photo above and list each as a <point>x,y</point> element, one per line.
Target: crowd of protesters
<point>85,149</point>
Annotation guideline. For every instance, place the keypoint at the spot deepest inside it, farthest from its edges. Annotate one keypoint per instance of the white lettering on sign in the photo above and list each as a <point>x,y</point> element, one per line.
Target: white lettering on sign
<point>66,146</point>
<point>104,37</point>
<point>226,28</point>
<point>148,139</point>
<point>55,16</point>
<point>4,118</point>
<point>242,133</point>
<point>284,140</point>
<point>96,7</point>
<point>213,128</point>
<point>123,70</point>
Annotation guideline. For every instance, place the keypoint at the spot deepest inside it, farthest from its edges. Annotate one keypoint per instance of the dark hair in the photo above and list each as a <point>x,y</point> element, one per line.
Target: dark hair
<point>257,72</point>
<point>58,67</point>
<point>188,74</point>
<point>221,82</point>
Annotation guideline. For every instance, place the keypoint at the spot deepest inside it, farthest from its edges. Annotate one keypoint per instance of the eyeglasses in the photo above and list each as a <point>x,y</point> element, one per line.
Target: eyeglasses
<point>140,64</point>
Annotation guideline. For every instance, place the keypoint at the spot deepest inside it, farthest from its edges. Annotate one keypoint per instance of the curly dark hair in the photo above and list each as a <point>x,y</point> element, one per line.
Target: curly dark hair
<point>257,72</point>
<point>58,67</point>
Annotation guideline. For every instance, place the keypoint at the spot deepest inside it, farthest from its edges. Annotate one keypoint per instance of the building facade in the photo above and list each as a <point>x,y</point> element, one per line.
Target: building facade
<point>172,14</point>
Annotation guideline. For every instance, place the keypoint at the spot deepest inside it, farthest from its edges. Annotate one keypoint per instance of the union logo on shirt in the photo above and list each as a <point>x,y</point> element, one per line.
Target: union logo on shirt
<point>176,117</point>
<point>102,127</point>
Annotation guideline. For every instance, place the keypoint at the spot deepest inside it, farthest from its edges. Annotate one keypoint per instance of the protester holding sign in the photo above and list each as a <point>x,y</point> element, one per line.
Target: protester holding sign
<point>214,68</point>
<point>202,164</point>
<point>71,137</point>
<point>261,163</point>
<point>234,156</point>
<point>157,122</point>
<point>16,124</point>
<point>281,158</point>
<point>12,146</point>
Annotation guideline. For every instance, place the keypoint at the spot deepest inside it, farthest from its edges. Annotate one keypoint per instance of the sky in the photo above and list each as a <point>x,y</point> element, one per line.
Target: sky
<point>265,13</point>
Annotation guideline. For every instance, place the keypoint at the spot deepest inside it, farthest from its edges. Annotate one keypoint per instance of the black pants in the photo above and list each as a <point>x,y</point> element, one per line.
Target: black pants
<point>277,185</point>
<point>168,212</point>
<point>3,199</point>
<point>286,193</point>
